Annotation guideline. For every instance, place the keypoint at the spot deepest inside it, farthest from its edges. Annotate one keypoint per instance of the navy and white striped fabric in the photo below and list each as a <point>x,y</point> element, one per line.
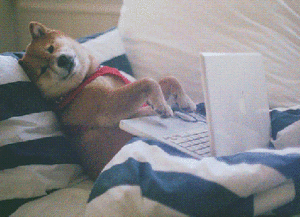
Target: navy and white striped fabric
<point>35,157</point>
<point>148,178</point>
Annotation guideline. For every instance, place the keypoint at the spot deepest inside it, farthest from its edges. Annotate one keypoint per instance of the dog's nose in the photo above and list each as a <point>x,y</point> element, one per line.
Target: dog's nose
<point>66,62</point>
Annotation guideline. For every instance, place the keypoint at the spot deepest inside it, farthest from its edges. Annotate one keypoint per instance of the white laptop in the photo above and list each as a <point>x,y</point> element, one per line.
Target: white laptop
<point>237,110</point>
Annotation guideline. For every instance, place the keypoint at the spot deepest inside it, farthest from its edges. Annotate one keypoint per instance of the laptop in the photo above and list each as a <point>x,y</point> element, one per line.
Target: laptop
<point>237,110</point>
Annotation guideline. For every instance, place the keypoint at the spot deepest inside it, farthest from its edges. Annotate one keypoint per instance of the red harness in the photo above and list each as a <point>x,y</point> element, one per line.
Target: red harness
<point>102,70</point>
<point>69,97</point>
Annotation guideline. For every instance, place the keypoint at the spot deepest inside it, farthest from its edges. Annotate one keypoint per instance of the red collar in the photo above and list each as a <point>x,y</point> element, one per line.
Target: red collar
<point>102,70</point>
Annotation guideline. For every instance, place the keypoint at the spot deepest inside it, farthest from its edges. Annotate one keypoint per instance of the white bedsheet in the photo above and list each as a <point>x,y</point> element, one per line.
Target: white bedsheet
<point>70,201</point>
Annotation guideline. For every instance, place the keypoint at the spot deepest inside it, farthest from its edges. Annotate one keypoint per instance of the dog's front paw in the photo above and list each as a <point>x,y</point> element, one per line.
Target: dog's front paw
<point>164,110</point>
<point>185,103</point>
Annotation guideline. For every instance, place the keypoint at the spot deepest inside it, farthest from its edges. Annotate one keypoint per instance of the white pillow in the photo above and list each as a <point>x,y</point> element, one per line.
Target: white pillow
<point>165,37</point>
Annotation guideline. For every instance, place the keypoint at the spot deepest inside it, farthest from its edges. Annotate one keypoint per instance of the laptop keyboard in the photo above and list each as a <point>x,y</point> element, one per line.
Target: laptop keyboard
<point>194,140</point>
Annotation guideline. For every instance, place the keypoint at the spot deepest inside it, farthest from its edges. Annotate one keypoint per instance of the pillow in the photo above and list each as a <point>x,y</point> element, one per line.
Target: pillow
<point>35,156</point>
<point>108,49</point>
<point>165,37</point>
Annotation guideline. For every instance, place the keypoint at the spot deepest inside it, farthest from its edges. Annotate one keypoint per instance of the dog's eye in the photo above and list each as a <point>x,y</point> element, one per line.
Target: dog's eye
<point>50,49</point>
<point>44,69</point>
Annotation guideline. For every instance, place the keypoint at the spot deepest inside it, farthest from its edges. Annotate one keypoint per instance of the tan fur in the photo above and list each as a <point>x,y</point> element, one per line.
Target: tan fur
<point>57,64</point>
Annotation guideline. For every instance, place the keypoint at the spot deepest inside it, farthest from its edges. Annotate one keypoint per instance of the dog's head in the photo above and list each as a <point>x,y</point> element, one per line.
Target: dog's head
<point>55,62</point>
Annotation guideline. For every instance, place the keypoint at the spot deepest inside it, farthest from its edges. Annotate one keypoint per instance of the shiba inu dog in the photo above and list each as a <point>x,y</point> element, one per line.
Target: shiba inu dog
<point>90,100</point>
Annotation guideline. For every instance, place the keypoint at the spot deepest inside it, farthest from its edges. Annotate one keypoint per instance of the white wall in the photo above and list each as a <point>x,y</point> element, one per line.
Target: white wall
<point>76,18</point>
<point>8,41</point>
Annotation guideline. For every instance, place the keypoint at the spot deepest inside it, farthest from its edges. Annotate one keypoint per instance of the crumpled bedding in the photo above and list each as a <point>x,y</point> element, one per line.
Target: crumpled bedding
<point>149,178</point>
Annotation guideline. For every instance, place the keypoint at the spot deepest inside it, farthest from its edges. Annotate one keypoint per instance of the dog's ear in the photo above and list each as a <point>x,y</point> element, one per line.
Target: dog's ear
<point>37,30</point>
<point>23,64</point>
<point>27,69</point>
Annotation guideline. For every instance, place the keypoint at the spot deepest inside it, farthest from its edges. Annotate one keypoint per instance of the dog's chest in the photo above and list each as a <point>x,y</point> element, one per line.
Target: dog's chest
<point>84,108</point>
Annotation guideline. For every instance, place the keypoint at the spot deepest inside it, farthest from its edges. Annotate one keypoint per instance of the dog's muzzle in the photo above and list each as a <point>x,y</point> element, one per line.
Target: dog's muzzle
<point>66,62</point>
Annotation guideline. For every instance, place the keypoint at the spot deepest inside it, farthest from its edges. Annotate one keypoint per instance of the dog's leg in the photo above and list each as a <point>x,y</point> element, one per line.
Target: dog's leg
<point>127,100</point>
<point>173,91</point>
<point>96,151</point>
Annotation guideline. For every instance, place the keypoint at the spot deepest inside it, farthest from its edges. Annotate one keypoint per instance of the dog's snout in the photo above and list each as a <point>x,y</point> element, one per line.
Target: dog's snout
<point>66,62</point>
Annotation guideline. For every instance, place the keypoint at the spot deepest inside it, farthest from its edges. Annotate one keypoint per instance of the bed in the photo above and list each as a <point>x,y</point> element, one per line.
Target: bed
<point>40,173</point>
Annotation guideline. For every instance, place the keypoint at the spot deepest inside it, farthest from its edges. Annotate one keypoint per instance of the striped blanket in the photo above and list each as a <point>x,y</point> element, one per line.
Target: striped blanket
<point>149,178</point>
